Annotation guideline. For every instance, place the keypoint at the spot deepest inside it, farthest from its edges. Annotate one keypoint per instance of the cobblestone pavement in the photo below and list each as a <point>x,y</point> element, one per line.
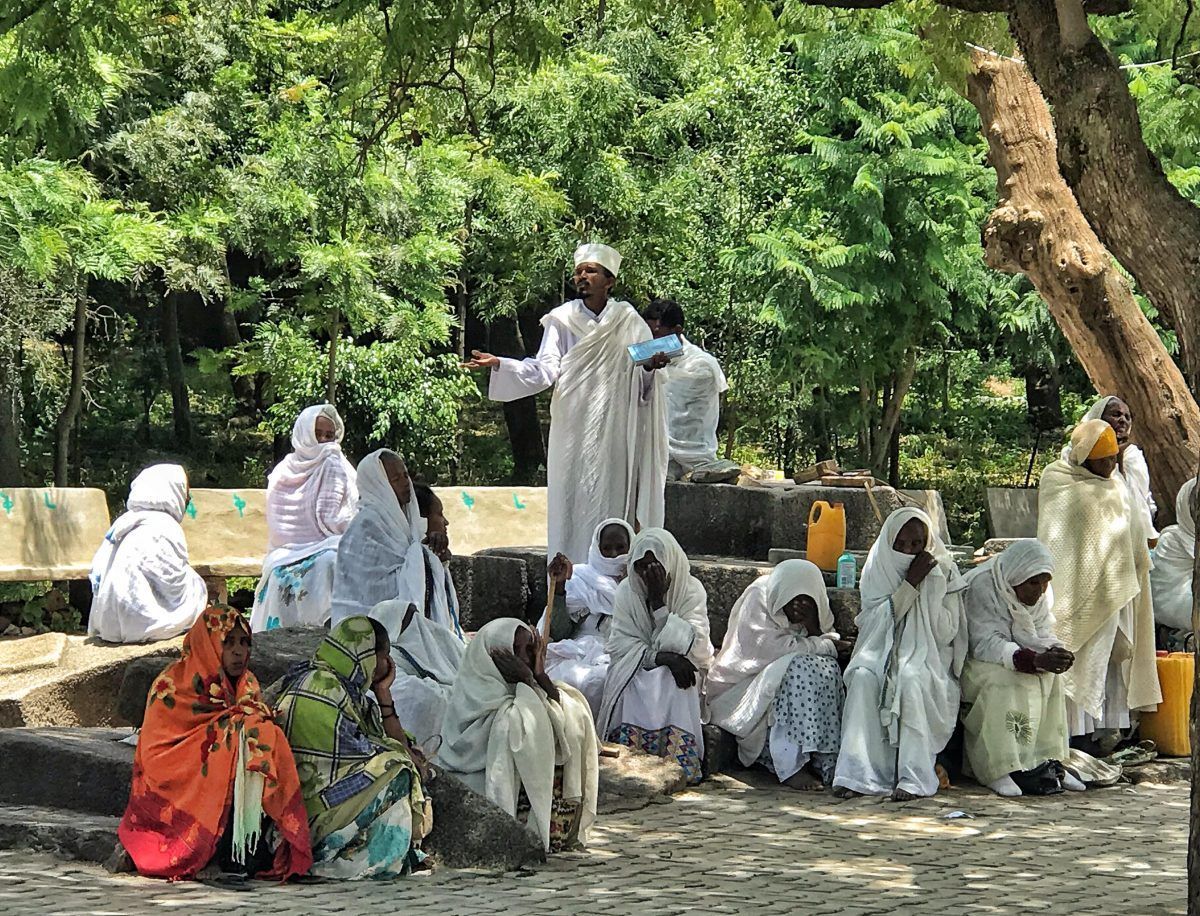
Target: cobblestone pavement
<point>731,848</point>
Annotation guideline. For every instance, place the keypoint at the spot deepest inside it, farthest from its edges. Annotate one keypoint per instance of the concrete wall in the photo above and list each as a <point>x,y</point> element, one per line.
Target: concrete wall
<point>50,533</point>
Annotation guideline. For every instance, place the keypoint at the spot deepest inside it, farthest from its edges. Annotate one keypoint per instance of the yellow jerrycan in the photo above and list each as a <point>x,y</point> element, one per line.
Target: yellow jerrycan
<point>1168,726</point>
<point>826,534</point>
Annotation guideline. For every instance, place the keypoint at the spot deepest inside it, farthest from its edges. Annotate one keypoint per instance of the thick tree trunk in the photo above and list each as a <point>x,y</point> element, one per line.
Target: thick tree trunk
<point>521,416</point>
<point>1037,229</point>
<point>181,408</point>
<point>335,332</point>
<point>70,409</point>
<point>890,421</point>
<point>11,474</point>
<point>1119,184</point>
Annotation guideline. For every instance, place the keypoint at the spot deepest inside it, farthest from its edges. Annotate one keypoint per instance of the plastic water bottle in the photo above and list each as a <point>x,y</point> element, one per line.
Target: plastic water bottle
<point>847,570</point>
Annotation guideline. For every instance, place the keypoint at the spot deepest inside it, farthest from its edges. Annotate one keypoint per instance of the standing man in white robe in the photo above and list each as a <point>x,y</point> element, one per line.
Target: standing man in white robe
<point>695,384</point>
<point>607,455</point>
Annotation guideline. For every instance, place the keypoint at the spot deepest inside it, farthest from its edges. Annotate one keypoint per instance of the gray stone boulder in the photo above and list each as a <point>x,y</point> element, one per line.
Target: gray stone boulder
<point>274,652</point>
<point>721,519</point>
<point>471,832</point>
<point>489,586</point>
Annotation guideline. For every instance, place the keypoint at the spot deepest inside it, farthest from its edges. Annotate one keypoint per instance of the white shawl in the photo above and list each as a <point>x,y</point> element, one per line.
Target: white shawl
<point>608,443</point>
<point>640,632</point>
<point>516,735</point>
<point>914,640</point>
<point>1133,472</point>
<point>998,623</point>
<point>593,585</point>
<point>143,586</point>
<point>1174,559</point>
<point>759,646</point>
<point>311,493</point>
<point>381,557</point>
<point>694,385</point>
<point>1101,564</point>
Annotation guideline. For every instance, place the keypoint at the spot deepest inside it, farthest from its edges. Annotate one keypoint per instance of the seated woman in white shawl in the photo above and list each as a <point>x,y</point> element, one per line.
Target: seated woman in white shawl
<point>143,587</point>
<point>659,649</point>
<point>1132,469</point>
<point>1105,616</point>
<point>775,684</point>
<point>383,556</point>
<point>578,657</point>
<point>1171,576</point>
<point>902,681</point>
<point>513,735</point>
<point>310,501</point>
<point>1016,721</point>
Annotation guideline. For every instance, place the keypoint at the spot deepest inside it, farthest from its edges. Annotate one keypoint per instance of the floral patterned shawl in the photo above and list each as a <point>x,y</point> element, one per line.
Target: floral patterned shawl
<point>186,763</point>
<point>343,755</point>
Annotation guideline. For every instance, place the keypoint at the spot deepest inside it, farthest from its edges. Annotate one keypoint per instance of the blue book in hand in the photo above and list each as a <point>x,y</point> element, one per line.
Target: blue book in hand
<point>671,345</point>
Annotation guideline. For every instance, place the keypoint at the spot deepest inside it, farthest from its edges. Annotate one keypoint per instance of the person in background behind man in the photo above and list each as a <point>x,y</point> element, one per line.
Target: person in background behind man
<point>695,384</point>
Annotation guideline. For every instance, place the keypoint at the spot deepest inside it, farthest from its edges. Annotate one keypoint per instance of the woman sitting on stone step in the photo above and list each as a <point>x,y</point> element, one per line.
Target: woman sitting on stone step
<point>512,734</point>
<point>902,688</point>
<point>143,587</point>
<point>776,684</point>
<point>386,555</point>
<point>214,780</point>
<point>311,497</point>
<point>660,650</point>
<point>1016,723</point>
<point>361,777</point>
<point>577,656</point>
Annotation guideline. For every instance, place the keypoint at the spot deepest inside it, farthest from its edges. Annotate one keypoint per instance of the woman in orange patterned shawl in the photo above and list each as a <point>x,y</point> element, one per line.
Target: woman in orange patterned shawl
<point>211,759</point>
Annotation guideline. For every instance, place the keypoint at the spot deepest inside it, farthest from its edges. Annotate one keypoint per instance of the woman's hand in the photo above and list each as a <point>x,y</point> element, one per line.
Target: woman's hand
<point>439,543</point>
<point>681,668</point>
<point>511,668</point>
<point>382,685</point>
<point>1056,660</point>
<point>922,565</point>
<point>845,648</point>
<point>560,570</point>
<point>657,581</point>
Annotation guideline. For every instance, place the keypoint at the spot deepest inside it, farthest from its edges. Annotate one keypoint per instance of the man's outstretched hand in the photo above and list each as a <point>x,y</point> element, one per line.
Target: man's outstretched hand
<point>481,360</point>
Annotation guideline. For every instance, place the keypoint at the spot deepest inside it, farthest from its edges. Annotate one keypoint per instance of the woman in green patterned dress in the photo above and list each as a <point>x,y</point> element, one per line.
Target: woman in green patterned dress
<point>360,775</point>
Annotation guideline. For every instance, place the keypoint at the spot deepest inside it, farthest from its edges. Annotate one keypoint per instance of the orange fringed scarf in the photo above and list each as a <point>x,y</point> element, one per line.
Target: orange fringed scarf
<point>185,764</point>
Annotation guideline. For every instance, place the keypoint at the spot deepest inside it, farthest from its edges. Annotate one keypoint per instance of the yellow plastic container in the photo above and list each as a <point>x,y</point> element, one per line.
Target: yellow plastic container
<point>1168,727</point>
<point>826,534</point>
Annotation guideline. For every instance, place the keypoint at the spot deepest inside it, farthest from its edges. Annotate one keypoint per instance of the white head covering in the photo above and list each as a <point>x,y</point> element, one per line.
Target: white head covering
<point>759,631</point>
<point>595,253</point>
<point>594,584</point>
<point>886,567</point>
<point>380,557</point>
<point>311,493</point>
<point>1095,412</point>
<point>990,590</point>
<point>1174,560</point>
<point>159,488</point>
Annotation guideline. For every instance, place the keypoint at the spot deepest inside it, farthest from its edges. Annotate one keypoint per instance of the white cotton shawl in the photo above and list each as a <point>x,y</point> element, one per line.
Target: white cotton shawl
<point>1133,472</point>
<point>640,632</point>
<point>311,493</point>
<point>608,444</point>
<point>1174,559</point>
<point>143,586</point>
<point>516,735</point>
<point>694,385</point>
<point>1101,564</point>
<point>759,646</point>
<point>998,623</point>
<point>918,658</point>
<point>381,557</point>
<point>593,585</point>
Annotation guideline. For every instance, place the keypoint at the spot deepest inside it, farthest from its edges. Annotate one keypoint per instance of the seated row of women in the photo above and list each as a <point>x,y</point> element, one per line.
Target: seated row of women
<point>328,782</point>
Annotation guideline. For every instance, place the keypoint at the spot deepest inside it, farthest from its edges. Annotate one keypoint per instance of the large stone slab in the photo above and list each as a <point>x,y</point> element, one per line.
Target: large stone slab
<point>66,834</point>
<point>721,519</point>
<point>226,531</point>
<point>1012,512</point>
<point>490,586</point>
<point>50,533</point>
<point>483,517</point>
<point>471,832</point>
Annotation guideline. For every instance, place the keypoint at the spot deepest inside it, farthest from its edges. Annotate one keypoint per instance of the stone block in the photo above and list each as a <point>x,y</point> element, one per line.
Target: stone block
<point>469,831</point>
<point>721,519</point>
<point>724,580</point>
<point>50,533</point>
<point>227,531</point>
<point>790,528</point>
<point>79,769</point>
<point>486,517</point>
<point>490,586</point>
<point>67,834</point>
<point>720,751</point>
<point>1012,512</point>
<point>634,779</point>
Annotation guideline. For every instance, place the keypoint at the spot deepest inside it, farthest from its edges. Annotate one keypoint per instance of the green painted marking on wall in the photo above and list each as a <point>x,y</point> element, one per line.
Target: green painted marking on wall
<point>517,501</point>
<point>50,504</point>
<point>191,509</point>
<point>7,502</point>
<point>468,500</point>
<point>240,505</point>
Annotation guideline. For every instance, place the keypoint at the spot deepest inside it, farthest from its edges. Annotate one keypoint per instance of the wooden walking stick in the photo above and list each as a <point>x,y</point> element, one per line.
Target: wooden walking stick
<point>551,589</point>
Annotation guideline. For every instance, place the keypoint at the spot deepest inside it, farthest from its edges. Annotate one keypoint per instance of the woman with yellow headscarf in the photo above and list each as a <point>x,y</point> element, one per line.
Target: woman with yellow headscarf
<point>1101,584</point>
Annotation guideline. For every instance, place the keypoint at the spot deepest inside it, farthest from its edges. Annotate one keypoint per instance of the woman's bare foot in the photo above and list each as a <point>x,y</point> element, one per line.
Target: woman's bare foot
<point>843,792</point>
<point>902,795</point>
<point>804,781</point>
